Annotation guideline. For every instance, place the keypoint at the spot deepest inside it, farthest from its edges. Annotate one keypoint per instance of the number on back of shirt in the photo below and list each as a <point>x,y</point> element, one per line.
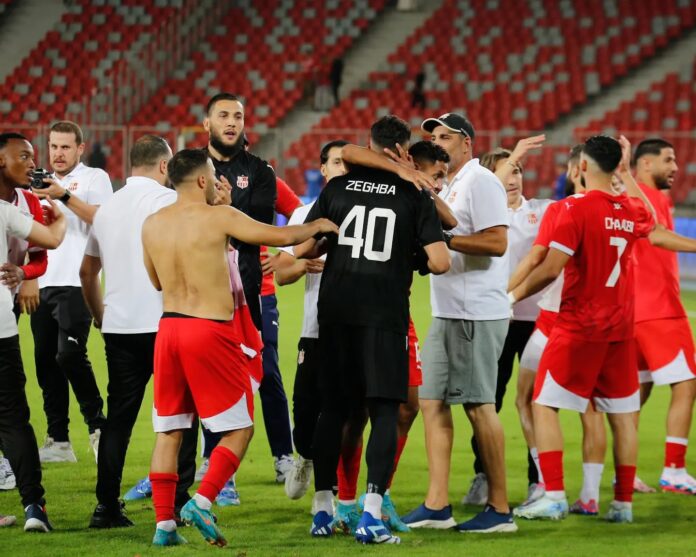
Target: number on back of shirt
<point>363,238</point>
<point>620,245</point>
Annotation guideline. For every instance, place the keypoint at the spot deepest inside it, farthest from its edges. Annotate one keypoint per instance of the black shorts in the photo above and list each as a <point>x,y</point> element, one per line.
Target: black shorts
<point>362,362</point>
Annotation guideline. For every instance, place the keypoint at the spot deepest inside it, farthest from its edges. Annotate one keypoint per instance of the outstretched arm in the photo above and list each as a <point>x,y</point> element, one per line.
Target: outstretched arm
<point>50,235</point>
<point>541,276</point>
<point>490,241</point>
<point>665,238</point>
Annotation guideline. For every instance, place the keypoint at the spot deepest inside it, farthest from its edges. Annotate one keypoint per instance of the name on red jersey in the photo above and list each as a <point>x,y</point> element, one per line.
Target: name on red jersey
<point>618,224</point>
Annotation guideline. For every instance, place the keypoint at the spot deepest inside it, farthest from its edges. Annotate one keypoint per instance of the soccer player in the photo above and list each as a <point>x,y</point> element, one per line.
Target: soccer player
<point>305,398</point>
<point>127,314</point>
<point>62,322</point>
<point>664,338</point>
<point>590,356</point>
<point>200,367</point>
<point>16,432</point>
<point>363,319</point>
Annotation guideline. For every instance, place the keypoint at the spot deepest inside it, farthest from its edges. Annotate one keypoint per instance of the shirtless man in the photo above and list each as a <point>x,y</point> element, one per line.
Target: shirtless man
<point>200,365</point>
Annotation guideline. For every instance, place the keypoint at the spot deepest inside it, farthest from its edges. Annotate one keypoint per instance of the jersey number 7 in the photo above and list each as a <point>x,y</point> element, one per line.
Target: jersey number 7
<point>620,244</point>
<point>366,237</point>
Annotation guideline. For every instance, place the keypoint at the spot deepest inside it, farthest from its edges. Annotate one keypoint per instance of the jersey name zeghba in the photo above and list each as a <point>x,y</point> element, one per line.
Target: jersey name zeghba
<point>599,232</point>
<point>656,269</point>
<point>369,265</point>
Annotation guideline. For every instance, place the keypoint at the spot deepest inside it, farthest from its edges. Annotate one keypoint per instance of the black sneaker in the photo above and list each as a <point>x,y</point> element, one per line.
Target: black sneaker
<point>105,517</point>
<point>36,519</point>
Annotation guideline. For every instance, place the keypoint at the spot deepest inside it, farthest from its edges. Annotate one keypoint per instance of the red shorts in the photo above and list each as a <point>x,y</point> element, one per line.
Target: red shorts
<point>665,351</point>
<point>200,369</point>
<point>545,321</point>
<point>415,369</point>
<point>573,371</point>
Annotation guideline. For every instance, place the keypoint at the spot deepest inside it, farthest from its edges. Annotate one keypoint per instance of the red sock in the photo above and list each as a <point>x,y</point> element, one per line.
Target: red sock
<point>623,488</point>
<point>163,494</point>
<point>675,455</point>
<point>348,472</point>
<point>551,464</point>
<point>400,444</point>
<point>222,464</point>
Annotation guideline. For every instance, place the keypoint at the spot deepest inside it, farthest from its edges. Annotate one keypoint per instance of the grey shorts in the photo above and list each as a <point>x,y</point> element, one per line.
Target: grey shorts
<point>460,360</point>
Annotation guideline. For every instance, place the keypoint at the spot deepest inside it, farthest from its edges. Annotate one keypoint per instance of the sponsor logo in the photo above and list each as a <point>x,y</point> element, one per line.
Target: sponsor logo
<point>242,182</point>
<point>618,206</point>
<point>300,357</point>
<point>532,218</point>
<point>73,186</point>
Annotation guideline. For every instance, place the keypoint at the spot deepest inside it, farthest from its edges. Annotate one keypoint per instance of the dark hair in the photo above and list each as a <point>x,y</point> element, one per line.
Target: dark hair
<point>428,152</point>
<point>605,151</point>
<point>324,155</point>
<point>650,146</point>
<point>66,126</point>
<point>575,152</point>
<point>182,165</point>
<point>390,131</point>
<point>221,97</point>
<point>490,159</point>
<point>7,136</point>
<point>148,150</point>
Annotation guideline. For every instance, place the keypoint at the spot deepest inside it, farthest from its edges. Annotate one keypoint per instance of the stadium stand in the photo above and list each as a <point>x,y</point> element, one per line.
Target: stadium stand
<point>524,74</point>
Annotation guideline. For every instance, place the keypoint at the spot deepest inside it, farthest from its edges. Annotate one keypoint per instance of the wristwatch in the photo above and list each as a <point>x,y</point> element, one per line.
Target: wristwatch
<point>448,237</point>
<point>65,197</point>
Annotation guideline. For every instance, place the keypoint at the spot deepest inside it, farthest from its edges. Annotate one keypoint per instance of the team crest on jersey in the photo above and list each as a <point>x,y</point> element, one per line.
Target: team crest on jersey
<point>300,357</point>
<point>532,218</point>
<point>72,186</point>
<point>617,206</point>
<point>242,182</point>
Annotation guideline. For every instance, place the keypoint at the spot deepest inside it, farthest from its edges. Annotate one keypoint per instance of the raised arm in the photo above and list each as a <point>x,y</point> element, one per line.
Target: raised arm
<point>665,238</point>
<point>624,174</point>
<point>352,154</point>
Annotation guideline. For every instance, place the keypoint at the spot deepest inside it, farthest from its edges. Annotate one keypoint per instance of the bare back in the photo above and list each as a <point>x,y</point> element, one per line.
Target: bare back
<point>186,254</point>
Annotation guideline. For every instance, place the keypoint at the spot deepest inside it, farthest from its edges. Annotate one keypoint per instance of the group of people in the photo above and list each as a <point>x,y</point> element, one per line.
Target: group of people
<point>570,288</point>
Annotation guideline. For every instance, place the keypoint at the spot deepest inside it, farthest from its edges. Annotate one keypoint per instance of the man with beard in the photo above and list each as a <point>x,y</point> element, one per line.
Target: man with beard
<point>663,336</point>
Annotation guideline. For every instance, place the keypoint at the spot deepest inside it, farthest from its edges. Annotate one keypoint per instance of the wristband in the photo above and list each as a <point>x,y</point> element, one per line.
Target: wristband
<point>448,238</point>
<point>65,197</point>
<point>511,298</point>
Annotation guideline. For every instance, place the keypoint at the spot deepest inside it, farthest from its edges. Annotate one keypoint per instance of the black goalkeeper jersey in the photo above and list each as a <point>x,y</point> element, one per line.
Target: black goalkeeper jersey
<point>369,265</point>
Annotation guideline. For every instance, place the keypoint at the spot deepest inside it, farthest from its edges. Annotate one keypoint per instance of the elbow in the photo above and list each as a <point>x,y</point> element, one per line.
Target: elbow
<point>449,223</point>
<point>499,249</point>
<point>440,265</point>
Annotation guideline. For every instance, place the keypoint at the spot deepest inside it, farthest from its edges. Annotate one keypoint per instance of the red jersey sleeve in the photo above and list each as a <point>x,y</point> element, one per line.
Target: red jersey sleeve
<point>548,223</point>
<point>286,200</point>
<point>38,257</point>
<point>567,233</point>
<point>645,223</point>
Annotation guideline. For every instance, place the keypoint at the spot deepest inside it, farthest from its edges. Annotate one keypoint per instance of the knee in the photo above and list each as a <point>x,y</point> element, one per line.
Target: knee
<point>408,411</point>
<point>70,356</point>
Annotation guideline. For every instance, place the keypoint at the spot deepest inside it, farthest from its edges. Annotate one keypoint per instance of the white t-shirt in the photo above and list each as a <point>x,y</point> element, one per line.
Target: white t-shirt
<point>131,303</point>
<point>524,227</point>
<point>310,324</point>
<point>12,223</point>
<point>475,287</point>
<point>91,185</point>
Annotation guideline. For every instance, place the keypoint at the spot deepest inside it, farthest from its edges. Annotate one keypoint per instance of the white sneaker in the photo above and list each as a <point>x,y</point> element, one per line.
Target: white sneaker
<point>283,466</point>
<point>56,451</point>
<point>478,492</point>
<point>297,481</point>
<point>7,477</point>
<point>202,470</point>
<point>554,509</point>
<point>94,443</point>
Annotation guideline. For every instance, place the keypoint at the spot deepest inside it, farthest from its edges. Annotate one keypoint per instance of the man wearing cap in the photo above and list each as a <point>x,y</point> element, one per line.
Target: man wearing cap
<point>470,320</point>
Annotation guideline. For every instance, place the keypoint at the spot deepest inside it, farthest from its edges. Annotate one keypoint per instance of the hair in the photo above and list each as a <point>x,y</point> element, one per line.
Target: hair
<point>605,151</point>
<point>8,136</point>
<point>491,159</point>
<point>324,155</point>
<point>650,146</point>
<point>575,152</point>
<point>390,131</point>
<point>66,126</point>
<point>428,152</point>
<point>148,150</point>
<point>221,97</point>
<point>182,165</point>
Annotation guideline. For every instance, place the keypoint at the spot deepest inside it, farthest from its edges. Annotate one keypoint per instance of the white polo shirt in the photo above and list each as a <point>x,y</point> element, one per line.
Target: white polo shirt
<point>12,223</point>
<point>475,287</point>
<point>524,227</point>
<point>91,185</point>
<point>131,303</point>
<point>310,323</point>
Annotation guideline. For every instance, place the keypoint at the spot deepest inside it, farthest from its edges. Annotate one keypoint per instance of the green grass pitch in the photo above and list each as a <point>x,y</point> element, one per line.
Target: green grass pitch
<point>267,523</point>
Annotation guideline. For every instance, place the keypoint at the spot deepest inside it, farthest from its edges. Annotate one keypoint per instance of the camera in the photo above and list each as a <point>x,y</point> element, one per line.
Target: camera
<point>37,179</point>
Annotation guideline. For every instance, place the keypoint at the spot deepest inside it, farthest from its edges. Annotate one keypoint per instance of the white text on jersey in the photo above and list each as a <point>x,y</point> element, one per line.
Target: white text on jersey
<point>371,187</point>
<point>618,224</point>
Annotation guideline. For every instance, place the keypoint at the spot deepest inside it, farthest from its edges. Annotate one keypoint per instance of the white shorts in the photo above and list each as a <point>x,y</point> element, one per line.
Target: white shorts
<point>533,351</point>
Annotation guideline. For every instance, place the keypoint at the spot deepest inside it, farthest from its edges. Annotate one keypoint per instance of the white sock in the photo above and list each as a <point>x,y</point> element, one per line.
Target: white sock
<point>167,525</point>
<point>670,472</point>
<point>556,495</point>
<point>373,505</point>
<point>591,478</point>
<point>535,457</point>
<point>346,502</point>
<point>203,502</point>
<point>322,501</point>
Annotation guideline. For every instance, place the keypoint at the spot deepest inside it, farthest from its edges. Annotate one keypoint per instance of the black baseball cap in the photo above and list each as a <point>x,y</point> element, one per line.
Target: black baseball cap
<point>455,122</point>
